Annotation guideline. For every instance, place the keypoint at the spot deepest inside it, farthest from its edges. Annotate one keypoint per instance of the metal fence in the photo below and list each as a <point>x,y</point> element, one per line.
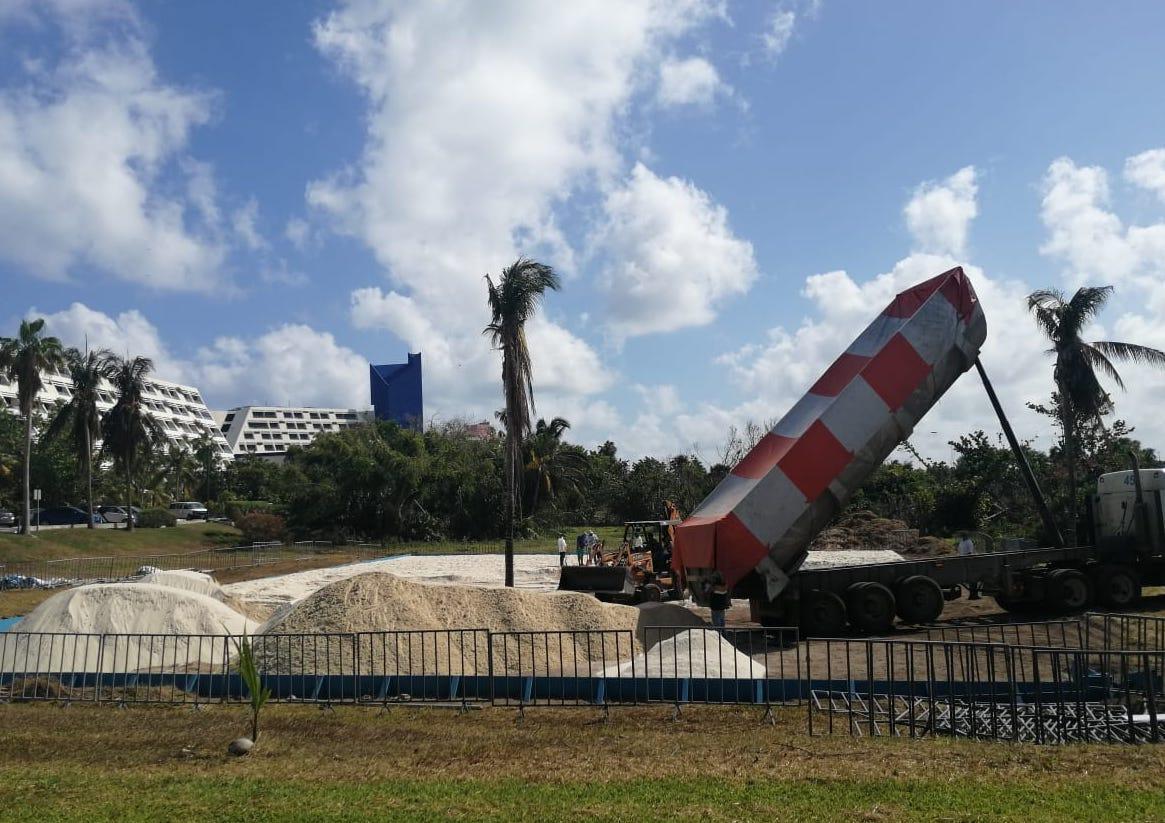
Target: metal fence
<point>676,665</point>
<point>988,689</point>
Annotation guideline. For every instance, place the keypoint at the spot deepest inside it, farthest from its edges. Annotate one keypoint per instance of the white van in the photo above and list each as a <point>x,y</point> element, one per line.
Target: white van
<point>188,510</point>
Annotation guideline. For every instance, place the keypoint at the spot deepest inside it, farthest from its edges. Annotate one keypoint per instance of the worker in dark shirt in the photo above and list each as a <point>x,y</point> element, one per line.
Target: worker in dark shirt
<point>719,601</point>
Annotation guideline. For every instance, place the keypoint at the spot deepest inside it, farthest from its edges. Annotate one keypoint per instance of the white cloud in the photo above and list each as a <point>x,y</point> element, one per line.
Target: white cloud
<point>1147,170</point>
<point>297,232</point>
<point>243,221</point>
<point>85,143</point>
<point>1091,240</point>
<point>293,364</point>
<point>691,81</point>
<point>778,32</point>
<point>672,257</point>
<point>939,213</point>
<point>472,142</point>
<point>128,334</point>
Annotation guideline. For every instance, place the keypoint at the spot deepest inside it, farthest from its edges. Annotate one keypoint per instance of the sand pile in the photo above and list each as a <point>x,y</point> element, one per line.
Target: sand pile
<point>864,530</point>
<point>691,653</point>
<point>186,580</point>
<point>114,610</point>
<point>378,601</point>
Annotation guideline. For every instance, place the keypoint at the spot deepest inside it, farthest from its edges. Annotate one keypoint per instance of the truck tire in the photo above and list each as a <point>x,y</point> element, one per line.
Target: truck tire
<point>870,607</point>
<point>1068,591</point>
<point>918,599</point>
<point>1118,587</point>
<point>822,614</point>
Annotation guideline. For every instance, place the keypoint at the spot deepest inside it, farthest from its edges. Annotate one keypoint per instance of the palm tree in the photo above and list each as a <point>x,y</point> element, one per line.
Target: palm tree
<point>179,465</point>
<point>206,453</point>
<point>80,417</point>
<point>22,359</point>
<point>131,434</point>
<point>549,466</point>
<point>513,301</point>
<point>1079,395</point>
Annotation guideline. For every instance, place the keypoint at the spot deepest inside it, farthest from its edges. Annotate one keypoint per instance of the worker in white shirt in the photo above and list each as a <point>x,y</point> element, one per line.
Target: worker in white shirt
<point>561,549</point>
<point>966,546</point>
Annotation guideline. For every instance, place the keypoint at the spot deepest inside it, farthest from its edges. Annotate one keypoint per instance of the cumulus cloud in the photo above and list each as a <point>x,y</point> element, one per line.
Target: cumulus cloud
<point>940,212</point>
<point>1090,239</point>
<point>292,363</point>
<point>471,144</point>
<point>1147,170</point>
<point>86,141</point>
<point>691,81</point>
<point>672,257</point>
<point>130,333</point>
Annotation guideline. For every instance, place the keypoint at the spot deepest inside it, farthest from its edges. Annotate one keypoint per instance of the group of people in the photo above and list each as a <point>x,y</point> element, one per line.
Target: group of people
<point>588,549</point>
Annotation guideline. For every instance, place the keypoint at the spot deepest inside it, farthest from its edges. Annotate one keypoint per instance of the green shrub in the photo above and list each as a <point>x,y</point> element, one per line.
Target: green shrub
<point>258,527</point>
<point>156,519</point>
<point>238,509</point>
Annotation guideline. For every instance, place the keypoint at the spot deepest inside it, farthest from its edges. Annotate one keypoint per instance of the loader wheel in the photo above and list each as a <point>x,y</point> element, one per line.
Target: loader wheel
<point>651,593</point>
<point>919,599</point>
<point>1068,591</point>
<point>822,614</point>
<point>1118,587</point>
<point>871,607</point>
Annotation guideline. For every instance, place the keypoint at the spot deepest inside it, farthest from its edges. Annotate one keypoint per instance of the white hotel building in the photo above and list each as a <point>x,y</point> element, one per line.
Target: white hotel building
<point>268,431</point>
<point>179,410</point>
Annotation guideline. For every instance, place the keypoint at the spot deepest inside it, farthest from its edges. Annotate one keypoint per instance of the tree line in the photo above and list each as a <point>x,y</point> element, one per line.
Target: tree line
<point>380,481</point>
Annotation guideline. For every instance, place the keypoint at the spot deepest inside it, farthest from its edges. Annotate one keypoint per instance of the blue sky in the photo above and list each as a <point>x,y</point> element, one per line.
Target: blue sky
<point>264,196</point>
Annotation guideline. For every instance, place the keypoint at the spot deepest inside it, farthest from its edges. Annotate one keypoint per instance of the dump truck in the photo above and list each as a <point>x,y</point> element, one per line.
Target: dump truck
<point>754,529</point>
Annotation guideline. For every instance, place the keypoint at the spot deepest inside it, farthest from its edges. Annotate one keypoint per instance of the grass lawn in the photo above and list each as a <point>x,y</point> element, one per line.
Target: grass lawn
<point>53,544</point>
<point>713,764</point>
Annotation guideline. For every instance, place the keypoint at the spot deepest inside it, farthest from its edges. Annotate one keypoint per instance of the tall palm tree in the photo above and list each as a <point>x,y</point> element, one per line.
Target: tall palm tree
<point>22,359</point>
<point>206,454</point>
<point>131,434</point>
<point>549,466</point>
<point>1079,394</point>
<point>179,465</point>
<point>80,417</point>
<point>512,301</point>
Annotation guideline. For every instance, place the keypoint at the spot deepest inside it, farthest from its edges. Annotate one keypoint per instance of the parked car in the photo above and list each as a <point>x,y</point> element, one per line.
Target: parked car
<point>7,518</point>
<point>65,516</point>
<point>116,514</point>
<point>188,510</point>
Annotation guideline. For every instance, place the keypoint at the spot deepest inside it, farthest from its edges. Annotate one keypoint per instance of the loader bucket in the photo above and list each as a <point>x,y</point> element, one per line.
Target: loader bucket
<point>596,579</point>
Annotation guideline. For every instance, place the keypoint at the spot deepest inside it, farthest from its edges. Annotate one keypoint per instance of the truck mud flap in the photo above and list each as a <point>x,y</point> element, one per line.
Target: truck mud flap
<point>596,579</point>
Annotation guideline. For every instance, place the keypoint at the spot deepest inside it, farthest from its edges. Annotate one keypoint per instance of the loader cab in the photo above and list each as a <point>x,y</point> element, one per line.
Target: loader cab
<point>652,537</point>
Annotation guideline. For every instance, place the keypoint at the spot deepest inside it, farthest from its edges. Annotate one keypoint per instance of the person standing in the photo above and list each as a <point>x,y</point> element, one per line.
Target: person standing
<point>581,548</point>
<point>719,601</point>
<point>561,549</point>
<point>966,546</point>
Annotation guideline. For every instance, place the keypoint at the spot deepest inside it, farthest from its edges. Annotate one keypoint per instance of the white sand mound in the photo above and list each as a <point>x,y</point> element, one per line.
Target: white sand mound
<point>90,623</point>
<point>691,653</point>
<point>377,601</point>
<point>186,580</point>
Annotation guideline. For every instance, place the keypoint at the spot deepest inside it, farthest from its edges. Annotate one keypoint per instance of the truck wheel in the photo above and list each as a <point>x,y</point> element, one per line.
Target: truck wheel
<point>871,607</point>
<point>1118,587</point>
<point>919,599</point>
<point>1068,591</point>
<point>822,614</point>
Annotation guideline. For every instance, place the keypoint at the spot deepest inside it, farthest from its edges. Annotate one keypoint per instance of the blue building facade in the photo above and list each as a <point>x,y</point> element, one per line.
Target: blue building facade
<point>397,394</point>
